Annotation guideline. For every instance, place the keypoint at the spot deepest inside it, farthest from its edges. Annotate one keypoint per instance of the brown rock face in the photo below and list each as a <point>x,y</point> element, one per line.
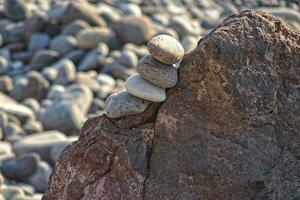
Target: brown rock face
<point>228,130</point>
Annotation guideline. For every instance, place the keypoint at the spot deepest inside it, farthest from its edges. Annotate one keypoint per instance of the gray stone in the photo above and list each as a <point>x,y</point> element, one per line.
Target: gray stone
<point>134,29</point>
<point>34,85</point>
<point>6,84</point>
<point>44,58</point>
<point>93,59</point>
<point>66,72</point>
<point>119,71</point>
<point>68,113</point>
<point>40,144</point>
<point>63,44</point>
<point>39,41</point>
<point>128,58</point>
<point>122,104</point>
<point>166,49</point>
<point>91,37</point>
<point>21,167</point>
<point>75,56</point>
<point>139,87</point>
<point>107,84</point>
<point>75,27</point>
<point>39,180</point>
<point>16,9</point>
<point>161,75</point>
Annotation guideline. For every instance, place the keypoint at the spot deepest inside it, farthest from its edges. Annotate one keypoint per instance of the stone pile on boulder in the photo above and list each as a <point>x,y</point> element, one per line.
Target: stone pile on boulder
<point>156,72</point>
<point>229,129</point>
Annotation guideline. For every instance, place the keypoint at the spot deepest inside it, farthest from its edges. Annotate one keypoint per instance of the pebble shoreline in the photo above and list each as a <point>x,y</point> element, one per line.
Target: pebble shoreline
<point>62,62</point>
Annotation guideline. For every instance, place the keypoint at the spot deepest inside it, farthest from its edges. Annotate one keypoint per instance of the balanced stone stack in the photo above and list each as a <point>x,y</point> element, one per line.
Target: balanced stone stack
<point>156,72</point>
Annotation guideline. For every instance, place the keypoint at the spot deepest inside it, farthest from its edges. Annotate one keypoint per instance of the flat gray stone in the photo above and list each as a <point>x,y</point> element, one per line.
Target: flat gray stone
<point>122,104</point>
<point>161,75</point>
<point>166,49</point>
<point>139,87</point>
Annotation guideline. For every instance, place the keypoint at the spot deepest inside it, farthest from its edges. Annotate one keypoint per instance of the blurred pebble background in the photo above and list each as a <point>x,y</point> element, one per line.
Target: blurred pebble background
<point>59,60</point>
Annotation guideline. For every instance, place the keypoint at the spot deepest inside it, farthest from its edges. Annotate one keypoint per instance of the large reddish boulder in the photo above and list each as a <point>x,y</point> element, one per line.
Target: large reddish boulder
<point>228,130</point>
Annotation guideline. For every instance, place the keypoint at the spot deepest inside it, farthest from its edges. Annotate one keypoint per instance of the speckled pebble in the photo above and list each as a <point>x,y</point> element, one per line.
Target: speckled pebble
<point>122,104</point>
<point>166,49</point>
<point>161,75</point>
<point>139,87</point>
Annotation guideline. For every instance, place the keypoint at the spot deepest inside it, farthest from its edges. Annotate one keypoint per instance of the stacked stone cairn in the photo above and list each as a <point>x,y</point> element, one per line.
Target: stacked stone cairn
<point>156,72</point>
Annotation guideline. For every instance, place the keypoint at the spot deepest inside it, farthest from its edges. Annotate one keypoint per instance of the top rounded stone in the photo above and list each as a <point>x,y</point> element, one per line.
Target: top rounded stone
<point>166,49</point>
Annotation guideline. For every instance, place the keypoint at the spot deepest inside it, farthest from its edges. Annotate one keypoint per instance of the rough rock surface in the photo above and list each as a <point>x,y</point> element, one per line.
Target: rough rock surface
<point>228,130</point>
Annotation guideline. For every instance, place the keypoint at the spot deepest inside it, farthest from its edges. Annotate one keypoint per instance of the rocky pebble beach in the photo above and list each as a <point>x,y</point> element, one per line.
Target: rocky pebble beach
<point>64,61</point>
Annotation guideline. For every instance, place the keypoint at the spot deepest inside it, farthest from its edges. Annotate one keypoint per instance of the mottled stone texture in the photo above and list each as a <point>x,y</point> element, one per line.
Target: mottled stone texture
<point>228,130</point>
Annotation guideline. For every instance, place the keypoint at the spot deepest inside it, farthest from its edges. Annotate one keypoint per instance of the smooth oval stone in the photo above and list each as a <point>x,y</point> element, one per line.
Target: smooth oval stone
<point>122,104</point>
<point>161,75</point>
<point>166,49</point>
<point>139,87</point>
<point>21,167</point>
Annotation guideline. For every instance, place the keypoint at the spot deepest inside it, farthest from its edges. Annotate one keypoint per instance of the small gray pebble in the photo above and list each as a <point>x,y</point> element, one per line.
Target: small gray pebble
<point>122,104</point>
